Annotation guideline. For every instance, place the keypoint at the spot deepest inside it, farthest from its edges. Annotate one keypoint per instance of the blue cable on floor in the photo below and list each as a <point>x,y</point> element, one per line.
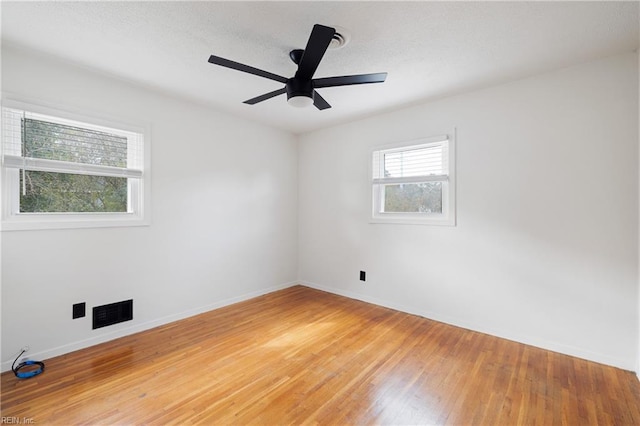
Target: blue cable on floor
<point>27,363</point>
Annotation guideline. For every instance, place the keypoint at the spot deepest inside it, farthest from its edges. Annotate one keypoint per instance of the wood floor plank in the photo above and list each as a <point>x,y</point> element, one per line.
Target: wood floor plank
<point>302,356</point>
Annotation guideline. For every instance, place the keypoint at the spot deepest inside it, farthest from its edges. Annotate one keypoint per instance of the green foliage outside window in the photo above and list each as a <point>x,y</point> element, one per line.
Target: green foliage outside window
<point>413,198</point>
<point>68,193</point>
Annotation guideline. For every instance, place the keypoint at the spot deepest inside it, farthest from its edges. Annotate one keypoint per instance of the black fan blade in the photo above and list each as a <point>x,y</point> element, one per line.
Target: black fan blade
<point>347,80</point>
<point>245,68</point>
<point>316,46</point>
<point>319,101</point>
<point>266,96</point>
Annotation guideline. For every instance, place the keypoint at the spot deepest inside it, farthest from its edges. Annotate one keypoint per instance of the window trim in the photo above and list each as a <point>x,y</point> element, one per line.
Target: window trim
<point>448,216</point>
<point>139,188</point>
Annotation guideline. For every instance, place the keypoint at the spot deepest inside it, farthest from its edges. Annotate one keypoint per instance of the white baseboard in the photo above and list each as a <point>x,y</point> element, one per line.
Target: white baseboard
<point>504,334</point>
<point>65,349</point>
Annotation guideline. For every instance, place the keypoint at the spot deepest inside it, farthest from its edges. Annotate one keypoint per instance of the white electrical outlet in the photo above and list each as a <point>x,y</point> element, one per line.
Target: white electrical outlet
<point>25,349</point>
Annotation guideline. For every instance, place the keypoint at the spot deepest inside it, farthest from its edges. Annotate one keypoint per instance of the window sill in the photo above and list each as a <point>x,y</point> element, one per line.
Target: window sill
<point>30,222</point>
<point>404,220</point>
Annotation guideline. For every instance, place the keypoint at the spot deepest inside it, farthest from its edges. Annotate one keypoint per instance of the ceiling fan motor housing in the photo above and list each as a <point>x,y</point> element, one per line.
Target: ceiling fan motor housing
<point>299,87</point>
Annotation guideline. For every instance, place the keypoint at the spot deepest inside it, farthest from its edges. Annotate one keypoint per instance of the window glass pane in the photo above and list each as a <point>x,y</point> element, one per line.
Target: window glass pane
<point>71,193</point>
<point>54,141</point>
<point>413,198</point>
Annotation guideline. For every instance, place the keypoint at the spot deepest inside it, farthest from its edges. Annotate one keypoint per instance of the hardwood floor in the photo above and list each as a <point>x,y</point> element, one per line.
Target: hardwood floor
<point>301,356</point>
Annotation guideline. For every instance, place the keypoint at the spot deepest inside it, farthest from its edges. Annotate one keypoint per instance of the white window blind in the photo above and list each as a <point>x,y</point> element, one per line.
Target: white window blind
<point>418,163</point>
<point>38,142</point>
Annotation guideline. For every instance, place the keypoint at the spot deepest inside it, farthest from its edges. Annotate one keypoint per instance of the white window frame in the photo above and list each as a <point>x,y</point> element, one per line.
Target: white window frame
<point>448,215</point>
<point>139,182</point>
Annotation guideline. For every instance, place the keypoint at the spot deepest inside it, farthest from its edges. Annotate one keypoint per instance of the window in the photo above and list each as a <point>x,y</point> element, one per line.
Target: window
<point>414,183</point>
<point>59,171</point>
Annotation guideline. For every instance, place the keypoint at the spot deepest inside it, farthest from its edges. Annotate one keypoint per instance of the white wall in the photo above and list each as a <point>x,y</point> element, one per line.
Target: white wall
<point>224,219</point>
<point>546,247</point>
<point>545,250</point>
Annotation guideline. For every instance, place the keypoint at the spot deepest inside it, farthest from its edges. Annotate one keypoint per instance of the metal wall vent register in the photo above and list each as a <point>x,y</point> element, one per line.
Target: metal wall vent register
<point>112,313</point>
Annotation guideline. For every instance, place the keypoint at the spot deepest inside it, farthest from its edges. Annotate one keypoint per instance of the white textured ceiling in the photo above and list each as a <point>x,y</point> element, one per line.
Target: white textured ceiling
<point>429,49</point>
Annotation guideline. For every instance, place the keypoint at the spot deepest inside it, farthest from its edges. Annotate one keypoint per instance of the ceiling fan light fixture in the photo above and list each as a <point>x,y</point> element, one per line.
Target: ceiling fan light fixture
<point>299,92</point>
<point>300,101</point>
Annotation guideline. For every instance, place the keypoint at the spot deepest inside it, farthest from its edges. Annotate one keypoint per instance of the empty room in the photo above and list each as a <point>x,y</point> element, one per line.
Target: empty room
<point>406,213</point>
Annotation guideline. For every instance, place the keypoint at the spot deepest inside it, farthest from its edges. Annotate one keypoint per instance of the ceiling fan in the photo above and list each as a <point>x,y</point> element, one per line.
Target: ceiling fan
<point>301,88</point>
